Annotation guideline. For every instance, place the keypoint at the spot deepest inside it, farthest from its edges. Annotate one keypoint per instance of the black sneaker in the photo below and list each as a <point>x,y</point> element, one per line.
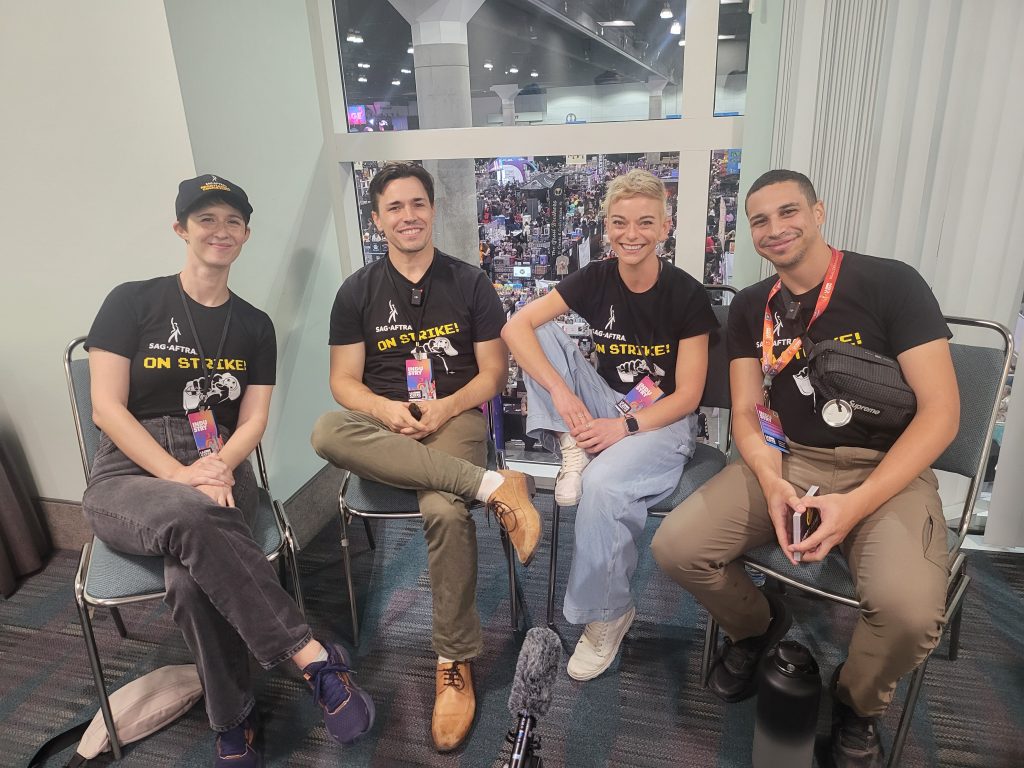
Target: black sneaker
<point>855,739</point>
<point>734,669</point>
<point>234,748</point>
<point>348,709</point>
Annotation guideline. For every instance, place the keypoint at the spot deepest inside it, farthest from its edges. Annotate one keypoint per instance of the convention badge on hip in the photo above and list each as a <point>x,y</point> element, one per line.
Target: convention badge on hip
<point>837,413</point>
<point>204,431</point>
<point>640,396</point>
<point>419,379</point>
<point>771,428</point>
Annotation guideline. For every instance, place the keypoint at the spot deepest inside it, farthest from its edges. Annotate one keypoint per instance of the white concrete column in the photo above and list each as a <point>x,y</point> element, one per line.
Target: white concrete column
<point>441,57</point>
<point>701,47</point>
<point>507,93</point>
<point>655,89</point>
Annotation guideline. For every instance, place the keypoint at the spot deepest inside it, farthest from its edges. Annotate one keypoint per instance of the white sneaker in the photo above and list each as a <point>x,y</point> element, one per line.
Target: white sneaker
<point>598,647</point>
<point>569,482</point>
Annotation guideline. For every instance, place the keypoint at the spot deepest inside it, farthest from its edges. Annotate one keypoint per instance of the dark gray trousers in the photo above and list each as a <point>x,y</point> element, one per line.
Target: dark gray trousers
<point>223,593</point>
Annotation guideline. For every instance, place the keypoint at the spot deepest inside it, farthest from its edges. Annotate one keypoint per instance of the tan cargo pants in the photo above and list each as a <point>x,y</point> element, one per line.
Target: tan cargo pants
<point>897,556</point>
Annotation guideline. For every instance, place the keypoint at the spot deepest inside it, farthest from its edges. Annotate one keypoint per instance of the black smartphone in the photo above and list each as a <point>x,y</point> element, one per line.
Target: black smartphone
<point>415,411</point>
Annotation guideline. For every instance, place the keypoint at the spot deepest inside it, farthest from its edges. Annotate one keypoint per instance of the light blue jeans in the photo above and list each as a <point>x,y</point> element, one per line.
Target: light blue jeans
<point>619,484</point>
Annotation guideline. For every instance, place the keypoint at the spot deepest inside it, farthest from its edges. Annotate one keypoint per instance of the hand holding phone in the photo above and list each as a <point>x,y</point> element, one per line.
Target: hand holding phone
<point>805,523</point>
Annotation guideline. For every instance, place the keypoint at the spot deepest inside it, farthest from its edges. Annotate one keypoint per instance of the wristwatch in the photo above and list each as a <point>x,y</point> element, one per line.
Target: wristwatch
<point>632,426</point>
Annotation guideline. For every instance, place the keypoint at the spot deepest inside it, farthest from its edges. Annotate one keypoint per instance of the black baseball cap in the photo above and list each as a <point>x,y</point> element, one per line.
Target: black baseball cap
<point>192,191</point>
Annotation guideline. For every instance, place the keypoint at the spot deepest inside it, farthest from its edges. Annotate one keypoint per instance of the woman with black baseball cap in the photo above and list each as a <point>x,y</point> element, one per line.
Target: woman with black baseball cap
<point>182,374</point>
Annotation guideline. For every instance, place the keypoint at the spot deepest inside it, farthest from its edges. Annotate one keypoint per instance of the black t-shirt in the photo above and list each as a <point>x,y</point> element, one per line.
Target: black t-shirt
<point>882,304</point>
<point>374,307</point>
<point>634,331</point>
<point>145,322</point>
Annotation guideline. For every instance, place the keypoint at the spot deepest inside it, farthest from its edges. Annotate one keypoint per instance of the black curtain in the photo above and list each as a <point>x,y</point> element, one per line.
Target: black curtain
<point>24,544</point>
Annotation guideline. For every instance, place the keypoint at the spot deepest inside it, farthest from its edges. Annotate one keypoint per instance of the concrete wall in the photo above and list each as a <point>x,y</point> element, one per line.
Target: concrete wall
<point>248,86</point>
<point>113,104</point>
<point>92,146</point>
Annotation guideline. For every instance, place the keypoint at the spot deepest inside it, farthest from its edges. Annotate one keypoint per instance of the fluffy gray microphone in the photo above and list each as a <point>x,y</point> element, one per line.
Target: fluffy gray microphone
<point>530,698</point>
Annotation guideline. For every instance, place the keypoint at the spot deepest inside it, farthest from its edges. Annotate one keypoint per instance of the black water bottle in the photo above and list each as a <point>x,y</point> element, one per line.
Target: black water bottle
<point>787,707</point>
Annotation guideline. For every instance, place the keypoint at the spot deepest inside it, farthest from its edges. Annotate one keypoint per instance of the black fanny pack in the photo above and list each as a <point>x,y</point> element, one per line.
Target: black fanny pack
<point>855,384</point>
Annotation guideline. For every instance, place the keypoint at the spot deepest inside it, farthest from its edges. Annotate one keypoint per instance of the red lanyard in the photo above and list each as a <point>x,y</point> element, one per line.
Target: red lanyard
<point>769,363</point>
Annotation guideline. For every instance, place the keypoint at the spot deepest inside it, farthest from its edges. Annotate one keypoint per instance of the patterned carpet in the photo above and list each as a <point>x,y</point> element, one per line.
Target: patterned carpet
<point>648,711</point>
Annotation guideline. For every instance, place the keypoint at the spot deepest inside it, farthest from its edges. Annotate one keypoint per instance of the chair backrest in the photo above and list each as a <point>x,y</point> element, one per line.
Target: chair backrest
<point>981,373</point>
<point>716,385</point>
<point>76,369</point>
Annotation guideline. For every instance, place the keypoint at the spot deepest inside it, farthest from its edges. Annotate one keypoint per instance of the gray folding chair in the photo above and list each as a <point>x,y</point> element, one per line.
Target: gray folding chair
<point>707,460</point>
<point>370,500</point>
<point>111,579</point>
<point>980,373</point>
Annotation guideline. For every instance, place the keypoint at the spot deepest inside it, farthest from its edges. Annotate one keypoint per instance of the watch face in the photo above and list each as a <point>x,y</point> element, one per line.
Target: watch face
<point>631,425</point>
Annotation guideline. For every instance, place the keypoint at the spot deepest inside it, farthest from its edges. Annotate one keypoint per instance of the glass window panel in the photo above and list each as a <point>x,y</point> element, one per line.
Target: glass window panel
<point>733,54</point>
<point>540,216</point>
<point>377,66</point>
<point>374,245</point>
<point>564,59</point>
<point>723,190</point>
<point>531,210</point>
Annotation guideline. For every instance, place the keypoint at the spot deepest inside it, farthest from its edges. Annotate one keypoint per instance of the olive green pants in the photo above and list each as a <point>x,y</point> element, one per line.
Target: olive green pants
<point>897,556</point>
<point>445,469</point>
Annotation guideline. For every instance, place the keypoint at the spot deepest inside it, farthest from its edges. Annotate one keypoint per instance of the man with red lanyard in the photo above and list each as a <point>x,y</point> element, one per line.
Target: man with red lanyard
<point>878,500</point>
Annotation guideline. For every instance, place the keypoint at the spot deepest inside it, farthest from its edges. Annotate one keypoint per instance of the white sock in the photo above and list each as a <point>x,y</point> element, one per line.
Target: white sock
<point>489,485</point>
<point>444,660</point>
<point>322,656</point>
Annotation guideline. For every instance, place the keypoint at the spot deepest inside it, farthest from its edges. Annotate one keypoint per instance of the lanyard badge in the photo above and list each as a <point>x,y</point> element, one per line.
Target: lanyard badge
<point>771,427</point>
<point>767,419</point>
<point>640,396</point>
<point>204,431</point>
<point>771,365</point>
<point>204,426</point>
<point>419,378</point>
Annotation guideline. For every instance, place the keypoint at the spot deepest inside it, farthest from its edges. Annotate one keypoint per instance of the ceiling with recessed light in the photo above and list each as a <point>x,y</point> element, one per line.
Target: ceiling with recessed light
<point>553,43</point>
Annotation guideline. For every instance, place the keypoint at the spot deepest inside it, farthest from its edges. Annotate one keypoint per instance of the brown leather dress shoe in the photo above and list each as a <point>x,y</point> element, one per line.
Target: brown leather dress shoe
<point>516,514</point>
<point>454,705</point>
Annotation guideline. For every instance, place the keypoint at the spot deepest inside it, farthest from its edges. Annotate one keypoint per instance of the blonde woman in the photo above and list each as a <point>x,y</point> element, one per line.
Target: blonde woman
<point>626,429</point>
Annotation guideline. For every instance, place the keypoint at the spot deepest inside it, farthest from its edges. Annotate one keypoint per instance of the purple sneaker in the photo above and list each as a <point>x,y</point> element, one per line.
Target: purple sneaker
<point>348,709</point>
<point>235,746</point>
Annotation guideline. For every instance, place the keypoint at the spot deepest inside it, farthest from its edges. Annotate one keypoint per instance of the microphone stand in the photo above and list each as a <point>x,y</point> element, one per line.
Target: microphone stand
<point>524,743</point>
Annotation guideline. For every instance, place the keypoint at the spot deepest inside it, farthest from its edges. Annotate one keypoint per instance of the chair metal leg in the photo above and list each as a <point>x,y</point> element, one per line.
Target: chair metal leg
<point>903,730</point>
<point>513,592</point>
<point>369,533</point>
<point>347,557</point>
<point>122,630</point>
<point>954,633</point>
<point>93,653</point>
<point>293,566</point>
<point>957,602</point>
<point>553,563</point>
<point>710,644</point>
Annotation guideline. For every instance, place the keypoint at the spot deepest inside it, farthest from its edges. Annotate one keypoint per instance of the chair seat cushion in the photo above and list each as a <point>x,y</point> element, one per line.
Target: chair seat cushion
<point>831,574</point>
<point>377,498</point>
<point>371,497</point>
<point>706,462</point>
<point>114,575</point>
